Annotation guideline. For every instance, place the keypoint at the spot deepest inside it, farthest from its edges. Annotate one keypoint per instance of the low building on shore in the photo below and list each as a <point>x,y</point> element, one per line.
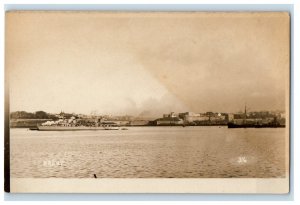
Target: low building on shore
<point>203,118</point>
<point>169,121</point>
<point>138,123</point>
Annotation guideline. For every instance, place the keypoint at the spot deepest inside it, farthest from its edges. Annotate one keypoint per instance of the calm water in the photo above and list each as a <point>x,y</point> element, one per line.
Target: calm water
<point>190,152</point>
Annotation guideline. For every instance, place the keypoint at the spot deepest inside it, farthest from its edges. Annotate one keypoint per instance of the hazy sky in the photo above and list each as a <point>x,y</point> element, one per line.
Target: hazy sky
<point>146,64</point>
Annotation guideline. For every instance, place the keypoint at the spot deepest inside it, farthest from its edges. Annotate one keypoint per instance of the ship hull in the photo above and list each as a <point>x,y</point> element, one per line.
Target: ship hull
<point>63,128</point>
<point>232,125</point>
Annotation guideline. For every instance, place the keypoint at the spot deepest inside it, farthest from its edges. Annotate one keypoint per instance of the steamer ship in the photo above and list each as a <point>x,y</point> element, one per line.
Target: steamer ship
<point>246,123</point>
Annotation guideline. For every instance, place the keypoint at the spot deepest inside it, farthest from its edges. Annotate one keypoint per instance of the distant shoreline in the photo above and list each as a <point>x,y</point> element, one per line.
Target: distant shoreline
<point>141,126</point>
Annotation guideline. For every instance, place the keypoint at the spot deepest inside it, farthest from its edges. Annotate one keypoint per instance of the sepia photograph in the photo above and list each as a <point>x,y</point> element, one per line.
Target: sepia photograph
<point>151,102</point>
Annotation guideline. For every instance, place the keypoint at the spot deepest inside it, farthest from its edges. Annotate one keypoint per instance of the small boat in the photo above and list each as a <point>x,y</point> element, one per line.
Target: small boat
<point>33,128</point>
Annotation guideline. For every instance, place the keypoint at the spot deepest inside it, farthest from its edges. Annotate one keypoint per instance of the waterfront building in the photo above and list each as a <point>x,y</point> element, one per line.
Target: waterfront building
<point>169,121</point>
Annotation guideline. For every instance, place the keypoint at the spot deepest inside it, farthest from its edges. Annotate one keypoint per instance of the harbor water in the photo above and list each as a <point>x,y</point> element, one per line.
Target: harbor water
<point>149,152</point>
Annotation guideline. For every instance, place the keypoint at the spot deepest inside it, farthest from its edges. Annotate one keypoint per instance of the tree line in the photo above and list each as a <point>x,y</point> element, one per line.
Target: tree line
<point>29,115</point>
